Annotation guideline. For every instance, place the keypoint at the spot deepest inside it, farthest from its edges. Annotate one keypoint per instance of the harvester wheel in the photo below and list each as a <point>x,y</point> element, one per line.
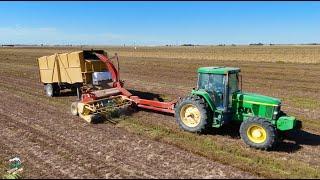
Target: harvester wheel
<point>49,90</point>
<point>52,90</point>
<point>258,133</point>
<point>74,108</point>
<point>192,114</point>
<point>56,90</point>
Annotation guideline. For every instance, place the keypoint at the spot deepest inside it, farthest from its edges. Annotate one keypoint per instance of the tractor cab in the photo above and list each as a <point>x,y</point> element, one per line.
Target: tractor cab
<point>220,83</point>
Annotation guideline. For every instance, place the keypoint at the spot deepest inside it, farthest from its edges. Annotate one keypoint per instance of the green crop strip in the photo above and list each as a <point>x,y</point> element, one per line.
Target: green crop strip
<point>245,159</point>
<point>304,102</point>
<point>2,168</point>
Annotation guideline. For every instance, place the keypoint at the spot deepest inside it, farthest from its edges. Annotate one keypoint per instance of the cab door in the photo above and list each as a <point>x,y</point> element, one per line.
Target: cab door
<point>214,84</point>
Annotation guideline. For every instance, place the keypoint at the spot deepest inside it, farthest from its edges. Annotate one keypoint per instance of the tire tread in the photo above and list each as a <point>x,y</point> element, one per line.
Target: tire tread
<point>271,131</point>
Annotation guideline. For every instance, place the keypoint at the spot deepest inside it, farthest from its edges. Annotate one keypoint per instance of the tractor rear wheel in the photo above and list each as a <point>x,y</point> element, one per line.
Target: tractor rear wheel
<point>258,133</point>
<point>192,114</point>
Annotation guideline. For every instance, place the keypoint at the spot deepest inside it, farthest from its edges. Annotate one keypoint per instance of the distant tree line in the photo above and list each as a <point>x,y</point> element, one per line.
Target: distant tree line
<point>256,44</point>
<point>168,45</point>
<point>311,44</point>
<point>189,45</point>
<point>7,45</point>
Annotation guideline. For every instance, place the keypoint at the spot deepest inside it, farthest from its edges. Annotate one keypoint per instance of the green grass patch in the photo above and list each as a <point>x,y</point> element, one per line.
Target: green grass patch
<point>246,159</point>
<point>165,97</point>
<point>310,124</point>
<point>280,62</point>
<point>12,176</point>
<point>304,102</point>
<point>5,175</point>
<point>2,168</point>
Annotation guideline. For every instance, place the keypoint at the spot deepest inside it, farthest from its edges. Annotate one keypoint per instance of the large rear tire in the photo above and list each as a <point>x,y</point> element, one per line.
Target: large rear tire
<point>192,114</point>
<point>258,133</point>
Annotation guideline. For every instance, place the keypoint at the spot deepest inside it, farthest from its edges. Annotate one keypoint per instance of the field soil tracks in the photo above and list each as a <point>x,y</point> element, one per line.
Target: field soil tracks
<point>54,144</point>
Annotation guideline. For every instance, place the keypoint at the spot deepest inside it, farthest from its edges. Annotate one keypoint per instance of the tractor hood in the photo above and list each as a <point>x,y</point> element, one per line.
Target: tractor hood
<point>257,99</point>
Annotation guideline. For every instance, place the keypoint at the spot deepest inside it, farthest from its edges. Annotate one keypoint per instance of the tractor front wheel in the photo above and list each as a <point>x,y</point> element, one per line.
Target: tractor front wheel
<point>192,114</point>
<point>258,133</point>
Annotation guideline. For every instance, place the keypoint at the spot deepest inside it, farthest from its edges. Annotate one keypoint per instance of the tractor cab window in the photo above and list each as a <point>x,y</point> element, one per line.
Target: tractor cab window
<point>214,84</point>
<point>233,85</point>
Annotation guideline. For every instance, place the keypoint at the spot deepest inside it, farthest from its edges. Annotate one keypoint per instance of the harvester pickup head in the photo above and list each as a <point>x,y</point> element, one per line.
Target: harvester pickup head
<point>102,109</point>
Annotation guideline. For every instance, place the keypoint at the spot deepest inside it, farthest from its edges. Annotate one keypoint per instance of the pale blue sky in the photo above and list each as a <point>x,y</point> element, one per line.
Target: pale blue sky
<point>159,23</point>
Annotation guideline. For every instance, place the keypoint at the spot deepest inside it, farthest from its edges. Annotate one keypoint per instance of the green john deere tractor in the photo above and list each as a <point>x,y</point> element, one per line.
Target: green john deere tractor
<point>218,100</point>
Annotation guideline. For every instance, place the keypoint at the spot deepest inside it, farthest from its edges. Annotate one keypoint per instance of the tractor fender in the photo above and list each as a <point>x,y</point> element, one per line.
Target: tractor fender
<point>206,97</point>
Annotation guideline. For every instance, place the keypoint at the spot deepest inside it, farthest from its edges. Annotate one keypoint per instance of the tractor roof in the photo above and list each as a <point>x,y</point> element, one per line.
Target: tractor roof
<point>218,70</point>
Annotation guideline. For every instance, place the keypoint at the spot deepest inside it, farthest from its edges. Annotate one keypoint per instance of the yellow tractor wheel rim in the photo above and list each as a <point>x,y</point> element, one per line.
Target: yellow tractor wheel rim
<point>190,115</point>
<point>256,134</point>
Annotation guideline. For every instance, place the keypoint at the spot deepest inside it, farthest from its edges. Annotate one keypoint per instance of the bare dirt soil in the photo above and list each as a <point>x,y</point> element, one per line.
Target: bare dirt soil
<point>296,84</point>
<point>52,143</point>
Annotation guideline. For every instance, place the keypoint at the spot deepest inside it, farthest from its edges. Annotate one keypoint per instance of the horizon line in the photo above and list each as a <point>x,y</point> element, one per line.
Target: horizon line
<point>184,44</point>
